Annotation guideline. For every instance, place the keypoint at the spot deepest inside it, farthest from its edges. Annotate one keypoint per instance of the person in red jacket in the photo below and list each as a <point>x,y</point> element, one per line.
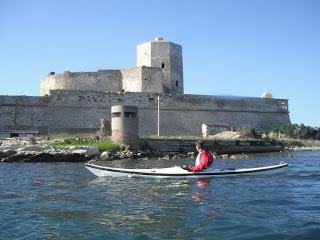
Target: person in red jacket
<point>203,160</point>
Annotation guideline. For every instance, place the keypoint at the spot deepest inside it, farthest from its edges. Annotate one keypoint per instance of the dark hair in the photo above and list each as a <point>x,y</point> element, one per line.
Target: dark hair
<point>200,144</point>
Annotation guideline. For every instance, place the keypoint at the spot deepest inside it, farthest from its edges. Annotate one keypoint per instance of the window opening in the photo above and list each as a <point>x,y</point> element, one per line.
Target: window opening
<point>116,114</point>
<point>130,114</point>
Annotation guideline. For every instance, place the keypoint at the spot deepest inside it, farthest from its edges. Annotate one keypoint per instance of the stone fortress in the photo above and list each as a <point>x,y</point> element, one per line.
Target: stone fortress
<point>73,102</point>
<point>159,70</point>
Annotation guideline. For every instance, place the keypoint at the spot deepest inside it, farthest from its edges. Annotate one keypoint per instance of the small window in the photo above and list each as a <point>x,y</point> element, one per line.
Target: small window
<point>116,114</point>
<point>177,84</point>
<point>130,114</point>
<point>145,79</point>
<point>162,65</point>
<point>14,135</point>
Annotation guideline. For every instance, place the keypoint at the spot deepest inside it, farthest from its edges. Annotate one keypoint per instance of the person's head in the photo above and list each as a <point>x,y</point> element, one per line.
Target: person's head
<point>200,145</point>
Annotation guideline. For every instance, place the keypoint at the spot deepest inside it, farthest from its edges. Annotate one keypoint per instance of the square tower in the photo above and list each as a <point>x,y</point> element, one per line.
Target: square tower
<point>167,56</point>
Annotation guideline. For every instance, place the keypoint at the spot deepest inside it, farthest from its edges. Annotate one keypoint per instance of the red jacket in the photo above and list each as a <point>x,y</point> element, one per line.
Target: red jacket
<point>206,159</point>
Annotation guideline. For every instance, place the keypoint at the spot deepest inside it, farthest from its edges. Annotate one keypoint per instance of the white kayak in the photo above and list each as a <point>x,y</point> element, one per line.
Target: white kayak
<point>175,172</point>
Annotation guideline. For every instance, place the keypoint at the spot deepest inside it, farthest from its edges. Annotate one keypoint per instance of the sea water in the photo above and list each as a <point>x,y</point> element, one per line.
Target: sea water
<point>65,201</point>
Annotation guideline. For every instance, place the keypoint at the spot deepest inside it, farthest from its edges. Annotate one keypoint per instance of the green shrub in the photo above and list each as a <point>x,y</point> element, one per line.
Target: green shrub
<point>247,131</point>
<point>106,145</point>
<point>294,131</point>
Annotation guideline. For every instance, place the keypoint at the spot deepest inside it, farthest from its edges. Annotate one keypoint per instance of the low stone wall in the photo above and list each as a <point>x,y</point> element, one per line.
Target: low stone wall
<point>180,115</point>
<point>218,146</point>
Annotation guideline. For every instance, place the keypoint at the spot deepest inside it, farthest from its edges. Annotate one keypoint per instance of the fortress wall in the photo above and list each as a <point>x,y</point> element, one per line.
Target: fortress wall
<point>22,112</point>
<point>144,54</point>
<point>168,101</point>
<point>185,122</point>
<point>176,68</point>
<point>180,114</point>
<point>152,80</point>
<point>51,82</point>
<point>132,80</point>
<point>160,54</point>
<point>30,117</point>
<point>78,111</point>
<point>75,119</point>
<point>6,116</point>
<point>22,101</point>
<point>102,80</point>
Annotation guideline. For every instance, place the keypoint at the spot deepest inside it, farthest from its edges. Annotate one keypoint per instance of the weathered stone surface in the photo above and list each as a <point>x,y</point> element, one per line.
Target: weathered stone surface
<point>224,156</point>
<point>43,156</point>
<point>220,147</point>
<point>105,156</point>
<point>76,111</point>
<point>91,152</point>
<point>35,148</point>
<point>239,156</point>
<point>6,152</point>
<point>226,135</point>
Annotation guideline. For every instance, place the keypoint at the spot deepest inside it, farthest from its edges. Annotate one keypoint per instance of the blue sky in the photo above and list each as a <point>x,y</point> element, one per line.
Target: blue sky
<point>230,47</point>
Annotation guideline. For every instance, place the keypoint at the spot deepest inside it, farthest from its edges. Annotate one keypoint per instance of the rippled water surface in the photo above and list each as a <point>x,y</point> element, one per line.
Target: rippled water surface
<point>65,201</point>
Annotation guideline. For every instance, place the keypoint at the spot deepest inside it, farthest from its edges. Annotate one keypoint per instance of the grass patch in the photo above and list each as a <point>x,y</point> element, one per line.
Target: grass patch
<point>106,145</point>
<point>103,145</point>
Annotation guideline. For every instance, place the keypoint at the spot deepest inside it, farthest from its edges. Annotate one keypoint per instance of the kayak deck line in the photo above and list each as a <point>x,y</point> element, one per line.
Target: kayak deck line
<point>175,171</point>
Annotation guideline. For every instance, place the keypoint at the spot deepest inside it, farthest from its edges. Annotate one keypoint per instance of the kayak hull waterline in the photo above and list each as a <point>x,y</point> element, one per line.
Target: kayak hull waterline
<point>176,171</point>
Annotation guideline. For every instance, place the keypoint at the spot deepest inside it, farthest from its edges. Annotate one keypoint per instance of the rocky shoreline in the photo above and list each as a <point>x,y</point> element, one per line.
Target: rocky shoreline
<point>30,150</point>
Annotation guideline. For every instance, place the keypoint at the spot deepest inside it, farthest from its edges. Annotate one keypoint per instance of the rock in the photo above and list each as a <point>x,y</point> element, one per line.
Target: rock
<point>91,151</point>
<point>79,151</point>
<point>146,152</point>
<point>34,148</point>
<point>19,156</point>
<point>190,154</point>
<point>58,140</point>
<point>6,152</point>
<point>227,135</point>
<point>224,156</point>
<point>105,156</point>
<point>239,156</point>
<point>47,155</point>
<point>166,157</point>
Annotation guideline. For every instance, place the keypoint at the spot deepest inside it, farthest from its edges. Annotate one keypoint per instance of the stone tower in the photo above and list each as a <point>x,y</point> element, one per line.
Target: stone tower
<point>167,56</point>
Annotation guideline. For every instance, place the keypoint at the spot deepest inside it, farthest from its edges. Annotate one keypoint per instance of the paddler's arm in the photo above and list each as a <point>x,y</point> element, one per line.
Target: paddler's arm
<point>185,167</point>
